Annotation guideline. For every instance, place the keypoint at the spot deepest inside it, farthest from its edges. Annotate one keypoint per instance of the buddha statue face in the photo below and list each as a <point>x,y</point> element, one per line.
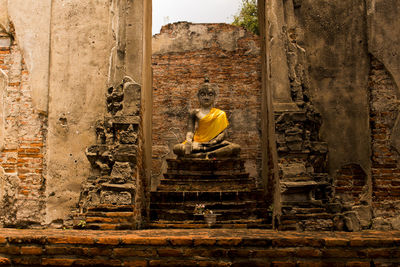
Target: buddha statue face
<point>206,95</point>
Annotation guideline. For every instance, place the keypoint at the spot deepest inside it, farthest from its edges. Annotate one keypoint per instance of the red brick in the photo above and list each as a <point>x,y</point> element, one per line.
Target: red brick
<point>31,250</point>
<point>297,241</point>
<point>36,144</point>
<point>134,252</point>
<point>339,253</point>
<point>309,264</point>
<point>335,242</point>
<point>98,251</point>
<point>181,241</point>
<point>108,240</point>
<point>197,252</point>
<point>204,241</point>
<point>283,264</point>
<point>97,262</point>
<point>174,262</point>
<point>57,262</point>
<point>304,252</point>
<point>71,240</point>
<point>9,250</point>
<point>29,150</point>
<point>240,253</point>
<point>234,241</point>
<point>357,264</point>
<point>24,155</point>
<point>119,214</point>
<point>249,262</point>
<point>136,263</point>
<point>156,241</point>
<point>27,261</point>
<point>64,250</point>
<point>274,253</point>
<point>367,242</point>
<point>169,252</point>
<point>5,261</point>
<point>26,239</point>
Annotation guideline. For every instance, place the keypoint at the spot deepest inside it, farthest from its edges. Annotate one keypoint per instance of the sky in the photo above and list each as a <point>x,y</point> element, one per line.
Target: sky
<point>169,11</point>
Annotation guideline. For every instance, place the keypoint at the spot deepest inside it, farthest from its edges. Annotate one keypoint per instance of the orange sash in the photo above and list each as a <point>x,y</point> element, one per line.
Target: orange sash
<point>211,125</point>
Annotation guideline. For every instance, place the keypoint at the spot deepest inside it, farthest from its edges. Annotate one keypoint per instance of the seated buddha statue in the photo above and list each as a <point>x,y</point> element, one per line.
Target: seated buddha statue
<point>207,130</point>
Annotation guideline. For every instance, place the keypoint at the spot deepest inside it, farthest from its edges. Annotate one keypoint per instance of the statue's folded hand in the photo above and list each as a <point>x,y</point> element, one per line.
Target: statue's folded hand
<point>189,136</point>
<point>196,146</point>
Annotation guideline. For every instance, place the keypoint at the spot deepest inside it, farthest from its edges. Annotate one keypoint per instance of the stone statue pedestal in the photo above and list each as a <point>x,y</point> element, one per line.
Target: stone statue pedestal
<point>222,185</point>
<point>194,174</point>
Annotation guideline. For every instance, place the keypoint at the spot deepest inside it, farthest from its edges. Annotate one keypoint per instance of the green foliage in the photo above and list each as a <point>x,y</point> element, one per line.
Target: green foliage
<point>247,17</point>
<point>82,224</point>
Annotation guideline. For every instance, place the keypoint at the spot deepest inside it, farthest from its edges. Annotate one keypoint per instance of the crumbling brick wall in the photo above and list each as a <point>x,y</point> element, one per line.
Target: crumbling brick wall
<point>22,185</point>
<point>350,182</point>
<point>183,55</point>
<point>384,97</point>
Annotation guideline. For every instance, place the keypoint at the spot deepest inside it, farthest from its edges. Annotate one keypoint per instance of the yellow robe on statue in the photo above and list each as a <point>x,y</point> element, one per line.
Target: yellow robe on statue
<point>211,125</point>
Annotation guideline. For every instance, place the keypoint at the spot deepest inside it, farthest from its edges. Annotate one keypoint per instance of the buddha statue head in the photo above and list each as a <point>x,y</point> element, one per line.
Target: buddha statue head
<point>206,94</point>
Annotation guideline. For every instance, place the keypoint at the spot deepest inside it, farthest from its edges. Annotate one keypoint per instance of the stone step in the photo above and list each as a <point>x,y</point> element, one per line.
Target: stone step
<point>111,208</point>
<point>178,181</point>
<point>115,214</point>
<point>223,214</point>
<point>213,177</point>
<point>209,205</point>
<point>203,196</point>
<point>307,216</point>
<point>205,172</point>
<point>109,226</point>
<point>208,187</point>
<point>203,164</point>
<point>296,210</point>
<point>288,226</point>
<point>231,224</point>
<point>107,220</point>
<point>301,204</point>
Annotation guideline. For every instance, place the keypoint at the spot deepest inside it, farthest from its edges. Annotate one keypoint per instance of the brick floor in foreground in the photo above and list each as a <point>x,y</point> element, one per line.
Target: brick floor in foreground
<point>197,247</point>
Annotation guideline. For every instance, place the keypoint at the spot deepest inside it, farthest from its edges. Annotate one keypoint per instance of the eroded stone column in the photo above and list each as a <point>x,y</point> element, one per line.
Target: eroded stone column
<point>276,37</point>
<point>270,170</point>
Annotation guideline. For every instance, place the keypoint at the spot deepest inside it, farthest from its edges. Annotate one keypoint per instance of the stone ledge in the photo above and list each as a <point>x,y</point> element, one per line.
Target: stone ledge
<point>197,247</point>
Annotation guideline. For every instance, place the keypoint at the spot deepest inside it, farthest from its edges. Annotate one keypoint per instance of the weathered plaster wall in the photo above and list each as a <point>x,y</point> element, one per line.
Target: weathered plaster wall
<point>33,33</point>
<point>383,34</point>
<point>4,15</point>
<point>336,46</point>
<point>183,55</point>
<point>80,51</point>
<point>59,67</point>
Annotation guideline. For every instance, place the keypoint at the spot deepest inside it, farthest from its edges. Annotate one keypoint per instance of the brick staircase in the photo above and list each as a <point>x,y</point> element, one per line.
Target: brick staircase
<point>222,185</point>
<point>108,217</point>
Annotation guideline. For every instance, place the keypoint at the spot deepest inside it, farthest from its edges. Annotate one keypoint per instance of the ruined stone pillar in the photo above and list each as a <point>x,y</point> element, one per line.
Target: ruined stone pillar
<point>270,171</point>
<point>276,39</point>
